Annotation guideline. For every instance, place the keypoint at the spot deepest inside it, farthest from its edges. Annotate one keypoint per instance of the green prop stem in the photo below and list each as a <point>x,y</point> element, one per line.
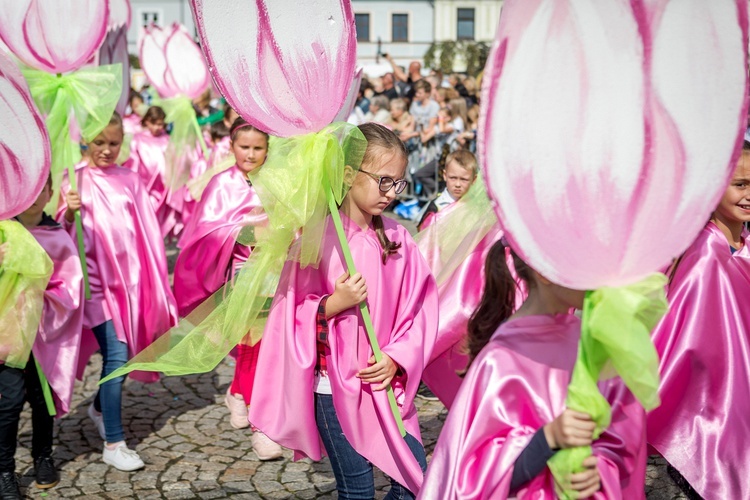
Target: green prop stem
<point>615,341</point>
<point>369,327</point>
<point>46,389</point>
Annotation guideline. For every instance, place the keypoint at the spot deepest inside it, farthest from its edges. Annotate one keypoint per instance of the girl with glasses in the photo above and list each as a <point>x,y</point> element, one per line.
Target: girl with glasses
<point>333,399</point>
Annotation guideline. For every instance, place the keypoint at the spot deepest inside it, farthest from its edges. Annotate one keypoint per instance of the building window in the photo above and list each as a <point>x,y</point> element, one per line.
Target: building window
<point>400,26</point>
<point>362,22</point>
<point>466,24</point>
<point>150,16</point>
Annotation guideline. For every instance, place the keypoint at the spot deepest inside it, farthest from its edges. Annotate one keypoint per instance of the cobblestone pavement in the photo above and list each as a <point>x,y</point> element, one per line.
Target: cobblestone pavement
<point>181,429</point>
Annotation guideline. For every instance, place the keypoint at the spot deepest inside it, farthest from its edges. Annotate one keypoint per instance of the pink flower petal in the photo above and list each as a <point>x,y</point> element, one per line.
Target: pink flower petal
<point>285,73</point>
<point>51,35</point>
<point>609,129</point>
<point>119,14</point>
<point>153,61</point>
<point>351,98</point>
<point>114,50</point>
<point>187,73</point>
<point>24,145</point>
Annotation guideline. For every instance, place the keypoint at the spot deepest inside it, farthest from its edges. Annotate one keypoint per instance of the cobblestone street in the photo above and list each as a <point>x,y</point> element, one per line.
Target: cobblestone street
<point>180,428</point>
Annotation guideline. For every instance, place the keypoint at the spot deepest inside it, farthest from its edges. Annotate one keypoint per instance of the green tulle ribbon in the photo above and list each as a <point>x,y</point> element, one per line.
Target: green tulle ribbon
<point>24,273</point>
<point>183,139</point>
<point>85,98</point>
<point>292,185</point>
<point>615,340</point>
<point>456,234</point>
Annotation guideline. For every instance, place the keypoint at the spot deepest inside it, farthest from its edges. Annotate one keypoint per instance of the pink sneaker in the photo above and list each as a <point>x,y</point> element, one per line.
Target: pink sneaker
<point>264,447</point>
<point>237,410</point>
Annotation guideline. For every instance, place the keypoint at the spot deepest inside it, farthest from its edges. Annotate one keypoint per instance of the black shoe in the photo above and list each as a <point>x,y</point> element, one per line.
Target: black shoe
<point>425,393</point>
<point>9,486</point>
<point>46,474</point>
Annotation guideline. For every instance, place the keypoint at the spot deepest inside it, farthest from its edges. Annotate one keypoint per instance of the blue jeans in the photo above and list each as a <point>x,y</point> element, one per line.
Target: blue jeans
<point>109,398</point>
<point>354,478</point>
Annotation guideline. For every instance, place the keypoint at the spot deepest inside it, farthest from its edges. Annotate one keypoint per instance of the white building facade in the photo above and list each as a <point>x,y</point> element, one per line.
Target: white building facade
<point>474,20</point>
<point>405,29</point>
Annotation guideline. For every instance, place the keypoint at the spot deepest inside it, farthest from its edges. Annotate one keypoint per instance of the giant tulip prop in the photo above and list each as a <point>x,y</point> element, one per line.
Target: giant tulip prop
<point>177,70</point>
<point>114,48</point>
<point>54,38</point>
<point>608,134</point>
<point>351,98</point>
<point>288,75</point>
<point>24,145</point>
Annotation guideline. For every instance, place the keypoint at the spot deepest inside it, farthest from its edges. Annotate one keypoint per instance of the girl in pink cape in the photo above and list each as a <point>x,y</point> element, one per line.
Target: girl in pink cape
<point>132,122</point>
<point>131,303</point>
<point>212,255</point>
<point>147,158</point>
<point>461,292</point>
<point>317,387</point>
<point>509,416</point>
<point>704,418</point>
<point>55,348</point>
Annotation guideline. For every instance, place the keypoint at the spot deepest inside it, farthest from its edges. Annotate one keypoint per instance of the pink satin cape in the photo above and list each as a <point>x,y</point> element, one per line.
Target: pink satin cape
<point>126,258</point>
<point>403,300</point>
<point>703,423</point>
<point>206,260</point>
<point>148,160</point>
<point>459,296</point>
<point>131,123</point>
<point>58,340</point>
<point>516,385</point>
<point>219,152</point>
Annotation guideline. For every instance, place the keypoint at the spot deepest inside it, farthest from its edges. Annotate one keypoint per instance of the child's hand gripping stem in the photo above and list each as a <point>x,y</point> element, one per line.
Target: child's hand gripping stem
<point>369,328</point>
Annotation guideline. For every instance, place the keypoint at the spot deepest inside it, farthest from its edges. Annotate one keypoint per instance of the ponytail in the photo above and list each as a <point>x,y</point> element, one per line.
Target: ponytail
<point>498,299</point>
<point>389,247</point>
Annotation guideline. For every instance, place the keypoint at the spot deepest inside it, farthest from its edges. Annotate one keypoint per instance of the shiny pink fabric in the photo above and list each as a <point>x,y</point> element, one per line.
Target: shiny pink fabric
<point>58,341</point>
<point>219,152</point>
<point>132,124</point>
<point>459,296</point>
<point>147,159</point>
<point>210,252</point>
<point>129,262</point>
<point>703,422</point>
<point>516,385</point>
<point>403,300</point>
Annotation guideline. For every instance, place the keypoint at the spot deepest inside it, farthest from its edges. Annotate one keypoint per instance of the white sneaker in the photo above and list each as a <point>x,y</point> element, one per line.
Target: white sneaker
<point>264,447</point>
<point>237,410</point>
<point>122,458</point>
<point>98,420</point>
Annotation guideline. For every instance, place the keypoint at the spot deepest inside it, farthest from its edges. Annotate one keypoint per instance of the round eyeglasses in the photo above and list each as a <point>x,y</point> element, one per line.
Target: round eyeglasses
<point>385,183</point>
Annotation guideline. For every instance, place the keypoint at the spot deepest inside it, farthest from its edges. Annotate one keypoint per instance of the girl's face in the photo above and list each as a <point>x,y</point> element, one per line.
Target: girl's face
<point>365,192</point>
<point>156,127</point>
<point>105,148</point>
<point>735,204</point>
<point>250,148</point>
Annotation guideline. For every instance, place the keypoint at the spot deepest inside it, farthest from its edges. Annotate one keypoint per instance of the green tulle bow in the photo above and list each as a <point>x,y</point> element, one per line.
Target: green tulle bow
<point>184,138</point>
<point>292,185</point>
<point>24,273</point>
<point>615,341</point>
<point>86,99</point>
